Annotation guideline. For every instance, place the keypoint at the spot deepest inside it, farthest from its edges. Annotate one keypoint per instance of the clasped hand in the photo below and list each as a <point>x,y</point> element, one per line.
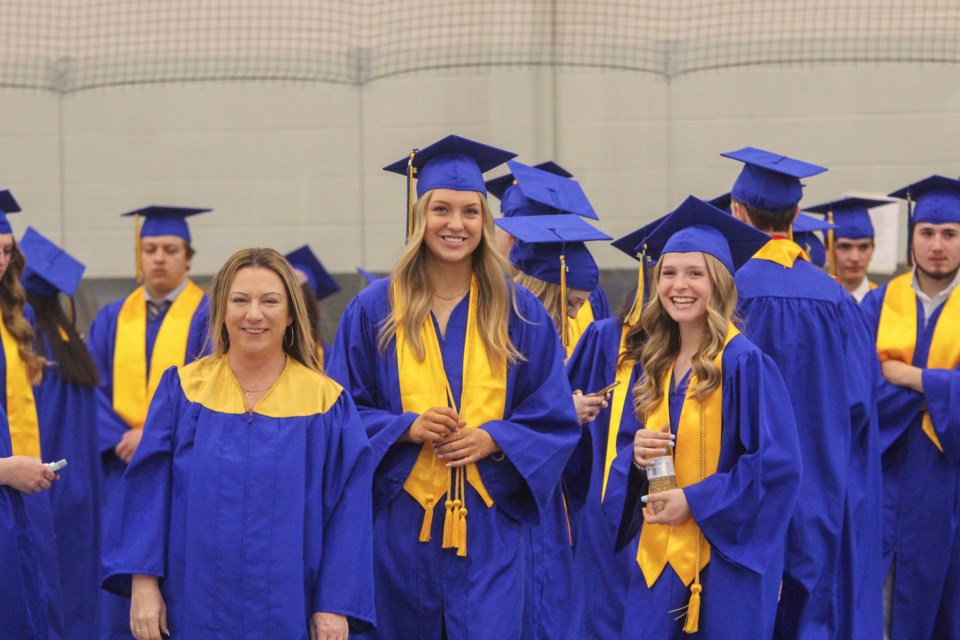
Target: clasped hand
<point>443,428</point>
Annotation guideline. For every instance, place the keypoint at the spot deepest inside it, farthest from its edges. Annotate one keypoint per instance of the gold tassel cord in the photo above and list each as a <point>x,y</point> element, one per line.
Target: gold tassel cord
<point>831,258</point>
<point>411,170</point>
<point>633,317</point>
<point>564,321</point>
<point>692,624</point>
<point>136,247</point>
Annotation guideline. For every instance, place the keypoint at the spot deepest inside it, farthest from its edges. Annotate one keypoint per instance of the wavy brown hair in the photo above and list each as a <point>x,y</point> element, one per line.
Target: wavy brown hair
<point>302,348</point>
<point>662,344</point>
<point>12,300</point>
<point>496,296</point>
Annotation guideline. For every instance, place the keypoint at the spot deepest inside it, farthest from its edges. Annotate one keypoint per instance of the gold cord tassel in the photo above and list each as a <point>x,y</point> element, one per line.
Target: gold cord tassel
<point>448,525</point>
<point>564,321</point>
<point>410,171</point>
<point>462,514</point>
<point>692,624</point>
<point>633,318</point>
<point>427,520</point>
<point>136,247</point>
<point>832,259</point>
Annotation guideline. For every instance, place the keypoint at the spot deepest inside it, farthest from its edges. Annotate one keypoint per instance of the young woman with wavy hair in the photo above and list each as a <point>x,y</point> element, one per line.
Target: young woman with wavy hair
<point>456,372</point>
<point>710,552</point>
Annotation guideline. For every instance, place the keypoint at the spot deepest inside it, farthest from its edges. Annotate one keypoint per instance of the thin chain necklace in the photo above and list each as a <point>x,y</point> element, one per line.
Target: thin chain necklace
<point>250,393</point>
<point>455,297</point>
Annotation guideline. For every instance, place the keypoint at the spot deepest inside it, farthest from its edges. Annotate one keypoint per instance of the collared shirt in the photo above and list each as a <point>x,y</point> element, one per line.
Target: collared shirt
<point>862,289</point>
<point>931,304</point>
<point>170,296</point>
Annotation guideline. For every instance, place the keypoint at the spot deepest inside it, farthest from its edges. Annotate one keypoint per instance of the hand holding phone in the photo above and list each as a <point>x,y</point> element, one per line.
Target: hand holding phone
<point>607,389</point>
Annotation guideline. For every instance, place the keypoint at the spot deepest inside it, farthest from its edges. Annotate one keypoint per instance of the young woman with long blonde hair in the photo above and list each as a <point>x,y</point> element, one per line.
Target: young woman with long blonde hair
<point>710,552</point>
<point>456,372</point>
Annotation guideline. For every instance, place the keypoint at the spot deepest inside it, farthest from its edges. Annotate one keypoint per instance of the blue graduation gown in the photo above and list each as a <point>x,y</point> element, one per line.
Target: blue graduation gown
<point>421,588</point>
<point>252,522</point>
<point>599,303</point>
<point>68,429</point>
<point>39,513</point>
<point>115,612</point>
<point>600,575</point>
<point>818,337</point>
<point>743,511</point>
<point>921,491</point>
<point>23,598</point>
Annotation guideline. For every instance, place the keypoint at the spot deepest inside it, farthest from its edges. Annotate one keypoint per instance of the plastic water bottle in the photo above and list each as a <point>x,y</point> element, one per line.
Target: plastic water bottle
<point>662,477</point>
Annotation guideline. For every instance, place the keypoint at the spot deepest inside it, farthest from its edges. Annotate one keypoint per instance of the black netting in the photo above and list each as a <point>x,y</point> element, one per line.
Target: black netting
<point>71,45</point>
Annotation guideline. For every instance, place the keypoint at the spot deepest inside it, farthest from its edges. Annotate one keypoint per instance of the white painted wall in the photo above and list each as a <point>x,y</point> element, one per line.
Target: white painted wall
<point>283,164</point>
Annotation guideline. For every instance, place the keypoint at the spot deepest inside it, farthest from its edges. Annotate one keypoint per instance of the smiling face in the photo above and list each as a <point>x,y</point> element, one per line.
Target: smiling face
<point>684,287</point>
<point>454,225</point>
<point>164,262</point>
<point>257,312</point>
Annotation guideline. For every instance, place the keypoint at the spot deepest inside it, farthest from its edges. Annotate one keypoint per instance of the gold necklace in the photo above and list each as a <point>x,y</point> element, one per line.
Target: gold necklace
<point>459,295</point>
<point>249,393</point>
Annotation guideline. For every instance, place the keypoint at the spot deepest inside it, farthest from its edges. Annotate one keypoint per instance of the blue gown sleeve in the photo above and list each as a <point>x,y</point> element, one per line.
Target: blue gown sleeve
<point>600,304</point>
<point>941,388</point>
<point>353,363</point>
<point>757,490</point>
<point>110,426</point>
<point>136,537</point>
<point>541,428</point>
<point>345,579</point>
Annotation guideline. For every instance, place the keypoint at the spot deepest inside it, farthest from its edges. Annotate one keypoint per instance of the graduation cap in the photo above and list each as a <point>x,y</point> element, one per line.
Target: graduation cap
<point>698,226</point>
<point>850,215</point>
<point>770,181</point>
<point>451,163</point>
<point>304,260</point>
<point>551,248</point>
<point>367,276</point>
<point>937,199</point>
<point>498,186</point>
<point>803,230</point>
<point>7,205</point>
<point>539,192</point>
<point>634,245</point>
<point>160,220</point>
<point>49,269</point>
<point>721,202</point>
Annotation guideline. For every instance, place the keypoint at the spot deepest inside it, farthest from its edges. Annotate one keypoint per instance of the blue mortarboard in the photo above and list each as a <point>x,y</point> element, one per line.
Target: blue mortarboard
<point>539,193</point>
<point>697,226</point>
<point>452,163</point>
<point>367,276</point>
<point>543,239</point>
<point>318,278</point>
<point>49,269</point>
<point>937,199</point>
<point>165,221</point>
<point>7,205</point>
<point>498,186</point>
<point>721,202</point>
<point>632,243</point>
<point>803,229</point>
<point>850,215</point>
<point>769,181</point>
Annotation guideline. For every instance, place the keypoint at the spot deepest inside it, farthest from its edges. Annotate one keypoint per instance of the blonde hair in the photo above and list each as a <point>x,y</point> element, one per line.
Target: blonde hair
<point>548,294</point>
<point>410,283</point>
<point>301,346</point>
<point>12,299</point>
<point>662,344</point>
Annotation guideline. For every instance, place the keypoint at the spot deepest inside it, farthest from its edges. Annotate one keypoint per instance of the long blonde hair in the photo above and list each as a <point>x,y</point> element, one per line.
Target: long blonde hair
<point>548,294</point>
<point>300,346</point>
<point>12,300</point>
<point>409,282</point>
<point>663,339</point>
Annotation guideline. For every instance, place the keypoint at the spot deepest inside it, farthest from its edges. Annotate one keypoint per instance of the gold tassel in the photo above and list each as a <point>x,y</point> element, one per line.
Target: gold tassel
<point>462,533</point>
<point>830,239</point>
<point>564,320</point>
<point>410,200</point>
<point>633,318</point>
<point>692,624</point>
<point>136,247</point>
<point>455,525</point>
<point>448,526</point>
<point>427,520</point>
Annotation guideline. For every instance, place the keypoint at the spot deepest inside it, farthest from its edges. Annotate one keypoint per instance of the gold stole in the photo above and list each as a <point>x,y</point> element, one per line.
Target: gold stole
<point>578,325</point>
<point>424,384</point>
<point>132,389</point>
<point>897,334</point>
<point>782,251</point>
<point>624,369</point>
<point>697,454</point>
<point>21,405</point>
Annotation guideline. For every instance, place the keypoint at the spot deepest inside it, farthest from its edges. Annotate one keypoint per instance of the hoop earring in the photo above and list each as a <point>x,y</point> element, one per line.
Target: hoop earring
<point>290,327</point>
